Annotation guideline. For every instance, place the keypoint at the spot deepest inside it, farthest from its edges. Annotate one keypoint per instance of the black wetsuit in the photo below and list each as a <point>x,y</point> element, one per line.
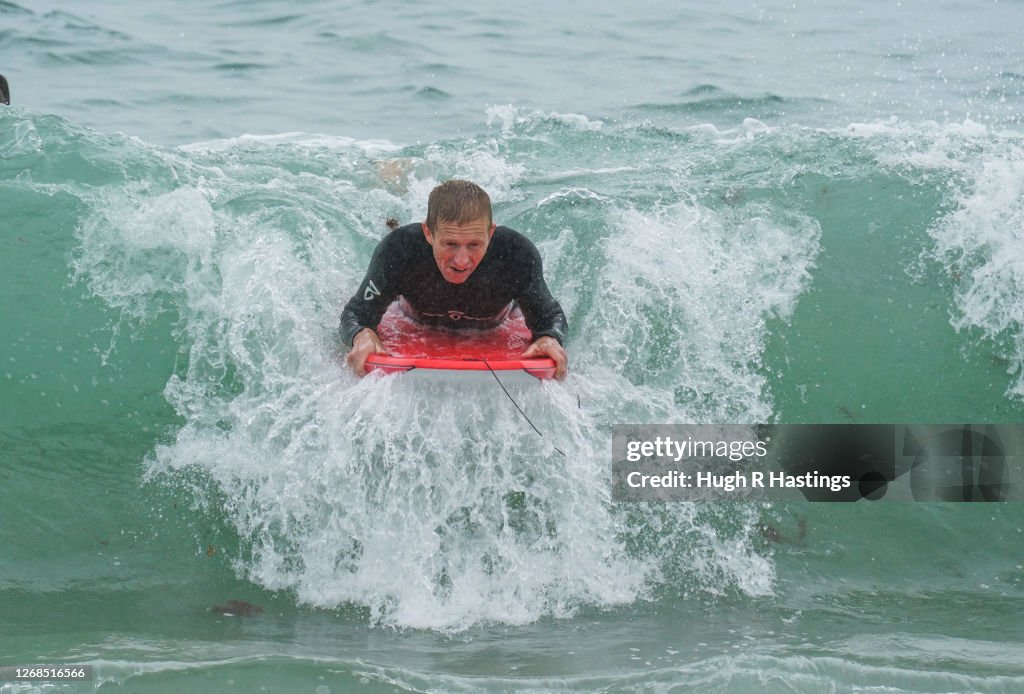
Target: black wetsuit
<point>403,265</point>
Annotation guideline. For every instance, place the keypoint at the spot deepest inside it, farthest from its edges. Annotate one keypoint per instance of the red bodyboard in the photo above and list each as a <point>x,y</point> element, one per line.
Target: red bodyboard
<point>413,345</point>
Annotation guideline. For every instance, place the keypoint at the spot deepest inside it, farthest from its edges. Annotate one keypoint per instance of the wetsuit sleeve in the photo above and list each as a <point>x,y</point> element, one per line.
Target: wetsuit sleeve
<point>543,314</point>
<point>378,289</point>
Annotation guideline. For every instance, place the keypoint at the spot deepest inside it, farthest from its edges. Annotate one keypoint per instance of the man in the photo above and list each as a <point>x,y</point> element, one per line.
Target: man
<point>457,270</point>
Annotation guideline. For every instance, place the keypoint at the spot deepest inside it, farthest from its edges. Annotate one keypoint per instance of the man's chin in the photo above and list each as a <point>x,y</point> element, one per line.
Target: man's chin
<point>457,277</point>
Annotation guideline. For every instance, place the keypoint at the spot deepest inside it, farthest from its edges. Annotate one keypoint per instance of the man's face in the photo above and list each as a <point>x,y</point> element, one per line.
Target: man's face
<point>459,248</point>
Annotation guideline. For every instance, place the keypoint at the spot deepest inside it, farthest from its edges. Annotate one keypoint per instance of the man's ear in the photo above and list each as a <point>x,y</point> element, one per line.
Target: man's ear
<point>490,233</point>
<point>426,233</point>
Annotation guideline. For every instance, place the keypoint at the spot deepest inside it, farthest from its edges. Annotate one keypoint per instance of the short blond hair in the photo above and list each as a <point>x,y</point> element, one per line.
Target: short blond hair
<point>458,202</point>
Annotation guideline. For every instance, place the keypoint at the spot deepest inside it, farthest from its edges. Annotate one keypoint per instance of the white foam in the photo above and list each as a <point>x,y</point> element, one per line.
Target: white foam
<point>136,247</point>
<point>983,243</point>
<point>433,506</point>
<point>749,129</point>
<point>180,220</point>
<point>20,140</point>
<point>512,117</point>
<point>980,240</point>
<point>570,194</point>
<point>482,163</point>
<point>298,139</point>
<point>710,281</point>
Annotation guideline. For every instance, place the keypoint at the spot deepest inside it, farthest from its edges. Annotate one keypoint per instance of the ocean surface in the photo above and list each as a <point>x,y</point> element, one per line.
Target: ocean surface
<point>751,212</point>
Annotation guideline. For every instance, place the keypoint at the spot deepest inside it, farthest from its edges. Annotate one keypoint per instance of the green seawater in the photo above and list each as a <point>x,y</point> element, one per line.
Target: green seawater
<point>733,239</point>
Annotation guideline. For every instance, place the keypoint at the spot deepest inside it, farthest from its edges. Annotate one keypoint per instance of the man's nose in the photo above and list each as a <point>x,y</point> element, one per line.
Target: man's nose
<point>462,257</point>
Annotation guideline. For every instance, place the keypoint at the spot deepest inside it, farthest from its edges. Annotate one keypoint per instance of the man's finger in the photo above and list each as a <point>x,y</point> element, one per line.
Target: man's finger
<point>357,361</point>
<point>561,362</point>
<point>365,343</point>
<point>551,348</point>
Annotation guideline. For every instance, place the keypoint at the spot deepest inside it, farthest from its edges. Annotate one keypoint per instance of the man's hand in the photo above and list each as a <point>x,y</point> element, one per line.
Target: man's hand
<point>548,346</point>
<point>364,344</point>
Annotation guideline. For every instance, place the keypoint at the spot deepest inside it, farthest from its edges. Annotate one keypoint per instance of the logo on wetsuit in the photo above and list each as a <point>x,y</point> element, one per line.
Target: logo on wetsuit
<point>460,315</point>
<point>371,291</point>
<point>456,315</point>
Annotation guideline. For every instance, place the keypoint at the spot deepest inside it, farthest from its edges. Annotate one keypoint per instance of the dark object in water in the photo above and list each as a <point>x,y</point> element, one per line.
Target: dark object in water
<point>772,534</point>
<point>5,91</point>
<point>392,223</point>
<point>237,608</point>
